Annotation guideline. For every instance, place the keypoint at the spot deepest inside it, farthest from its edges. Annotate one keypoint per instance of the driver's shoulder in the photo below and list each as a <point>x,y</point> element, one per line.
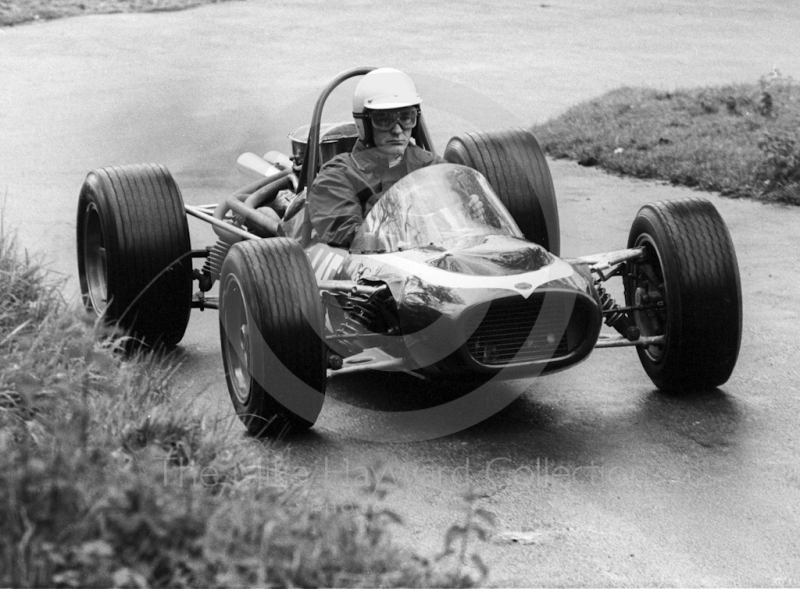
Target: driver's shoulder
<point>336,169</point>
<point>337,162</point>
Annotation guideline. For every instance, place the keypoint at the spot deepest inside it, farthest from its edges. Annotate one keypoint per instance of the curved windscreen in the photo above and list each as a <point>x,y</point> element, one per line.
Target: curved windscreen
<point>433,206</point>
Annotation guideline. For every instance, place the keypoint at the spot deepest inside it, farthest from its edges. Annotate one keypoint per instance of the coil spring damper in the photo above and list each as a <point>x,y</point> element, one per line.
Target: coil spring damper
<point>615,317</point>
<point>213,264</point>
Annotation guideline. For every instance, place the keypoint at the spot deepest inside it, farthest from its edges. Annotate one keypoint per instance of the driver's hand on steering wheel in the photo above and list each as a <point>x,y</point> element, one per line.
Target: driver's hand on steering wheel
<point>476,207</point>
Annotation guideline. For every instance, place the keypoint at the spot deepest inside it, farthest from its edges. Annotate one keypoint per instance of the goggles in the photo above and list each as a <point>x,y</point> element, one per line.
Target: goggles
<point>385,120</point>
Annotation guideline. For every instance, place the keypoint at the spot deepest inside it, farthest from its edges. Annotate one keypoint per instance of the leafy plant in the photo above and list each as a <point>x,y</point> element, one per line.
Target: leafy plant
<point>478,523</point>
<point>780,168</point>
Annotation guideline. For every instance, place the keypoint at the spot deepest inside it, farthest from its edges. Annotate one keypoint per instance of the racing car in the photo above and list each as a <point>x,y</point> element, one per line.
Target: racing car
<point>432,285</point>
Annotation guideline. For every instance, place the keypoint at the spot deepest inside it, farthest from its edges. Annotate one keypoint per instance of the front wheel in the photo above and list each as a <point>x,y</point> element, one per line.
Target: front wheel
<point>271,331</point>
<point>688,290</point>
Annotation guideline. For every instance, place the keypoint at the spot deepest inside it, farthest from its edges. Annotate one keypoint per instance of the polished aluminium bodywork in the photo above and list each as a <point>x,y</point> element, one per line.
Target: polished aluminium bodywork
<point>455,294</point>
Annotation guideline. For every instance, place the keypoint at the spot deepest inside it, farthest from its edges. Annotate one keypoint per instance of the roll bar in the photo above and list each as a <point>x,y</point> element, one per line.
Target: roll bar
<point>312,156</point>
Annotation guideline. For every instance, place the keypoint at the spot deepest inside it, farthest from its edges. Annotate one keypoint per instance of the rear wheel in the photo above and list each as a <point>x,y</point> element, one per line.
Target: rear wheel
<point>690,280</point>
<point>515,166</point>
<point>134,261</point>
<point>271,331</point>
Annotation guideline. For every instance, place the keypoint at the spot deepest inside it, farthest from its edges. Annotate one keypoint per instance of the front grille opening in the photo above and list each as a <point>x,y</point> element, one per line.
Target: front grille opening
<point>518,331</point>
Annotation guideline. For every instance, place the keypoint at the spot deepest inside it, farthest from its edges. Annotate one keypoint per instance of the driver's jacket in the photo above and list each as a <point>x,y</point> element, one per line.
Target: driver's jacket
<point>350,184</point>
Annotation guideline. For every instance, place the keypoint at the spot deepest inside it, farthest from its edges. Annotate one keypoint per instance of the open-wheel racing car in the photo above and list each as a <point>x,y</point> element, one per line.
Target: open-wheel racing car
<point>431,285</point>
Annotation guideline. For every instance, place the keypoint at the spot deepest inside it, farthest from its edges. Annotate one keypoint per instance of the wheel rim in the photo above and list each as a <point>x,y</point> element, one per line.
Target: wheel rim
<point>649,287</point>
<point>95,262</point>
<point>237,339</point>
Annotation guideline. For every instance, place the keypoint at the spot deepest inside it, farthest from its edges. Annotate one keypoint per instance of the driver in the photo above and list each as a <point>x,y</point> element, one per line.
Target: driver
<point>386,109</point>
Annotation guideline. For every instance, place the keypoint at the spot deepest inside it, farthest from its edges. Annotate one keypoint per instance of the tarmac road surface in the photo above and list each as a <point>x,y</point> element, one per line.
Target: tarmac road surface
<point>595,478</point>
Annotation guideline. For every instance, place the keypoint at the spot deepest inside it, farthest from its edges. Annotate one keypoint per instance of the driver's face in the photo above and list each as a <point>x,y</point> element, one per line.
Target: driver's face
<point>392,142</point>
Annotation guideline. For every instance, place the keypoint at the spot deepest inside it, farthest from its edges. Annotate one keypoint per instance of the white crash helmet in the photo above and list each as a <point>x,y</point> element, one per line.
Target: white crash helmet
<point>382,89</point>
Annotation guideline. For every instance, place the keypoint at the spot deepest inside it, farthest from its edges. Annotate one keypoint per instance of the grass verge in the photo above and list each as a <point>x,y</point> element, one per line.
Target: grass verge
<point>741,140</point>
<point>15,12</point>
<point>107,476</point>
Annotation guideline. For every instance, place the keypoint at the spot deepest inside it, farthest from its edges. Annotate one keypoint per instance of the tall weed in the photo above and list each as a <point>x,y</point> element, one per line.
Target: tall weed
<point>780,169</point>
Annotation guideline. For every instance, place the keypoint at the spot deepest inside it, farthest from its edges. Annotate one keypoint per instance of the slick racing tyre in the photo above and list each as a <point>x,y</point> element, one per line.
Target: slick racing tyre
<point>271,331</point>
<point>134,254</point>
<point>689,285</point>
<point>514,164</point>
